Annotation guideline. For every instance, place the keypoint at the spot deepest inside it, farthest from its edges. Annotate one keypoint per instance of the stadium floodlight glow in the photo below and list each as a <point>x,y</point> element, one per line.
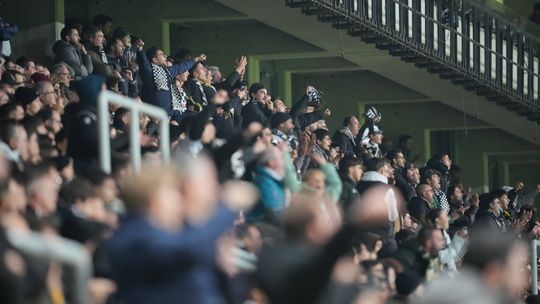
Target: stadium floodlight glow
<point>136,108</point>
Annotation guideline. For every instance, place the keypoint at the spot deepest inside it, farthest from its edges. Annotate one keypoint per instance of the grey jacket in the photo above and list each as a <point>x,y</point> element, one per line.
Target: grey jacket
<point>70,55</point>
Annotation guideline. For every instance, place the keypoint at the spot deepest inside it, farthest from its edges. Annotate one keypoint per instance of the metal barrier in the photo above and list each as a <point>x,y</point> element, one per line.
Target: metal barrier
<point>136,108</point>
<point>534,266</point>
<point>474,44</point>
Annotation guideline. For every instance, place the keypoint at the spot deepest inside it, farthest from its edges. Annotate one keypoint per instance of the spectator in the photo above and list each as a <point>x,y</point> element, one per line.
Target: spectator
<point>69,50</point>
<point>420,205</point>
<point>372,146</point>
<point>350,172</point>
<point>372,118</point>
<point>94,41</point>
<point>433,178</point>
<point>30,100</point>
<point>104,24</point>
<point>345,137</point>
<point>257,109</point>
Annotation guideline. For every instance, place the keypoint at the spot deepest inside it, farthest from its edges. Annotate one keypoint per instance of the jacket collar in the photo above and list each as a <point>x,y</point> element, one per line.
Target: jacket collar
<point>372,176</point>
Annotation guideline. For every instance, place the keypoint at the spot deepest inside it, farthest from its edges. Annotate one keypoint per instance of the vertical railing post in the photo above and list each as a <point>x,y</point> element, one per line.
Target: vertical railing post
<point>476,38</point>
<point>488,27</point>
<point>465,43</point>
<point>520,63</point>
<point>104,134</point>
<point>498,53</point>
<point>429,25</point>
<point>534,267</point>
<point>453,35</point>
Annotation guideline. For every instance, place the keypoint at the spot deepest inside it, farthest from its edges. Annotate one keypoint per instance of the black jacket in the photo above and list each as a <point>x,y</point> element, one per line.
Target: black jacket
<point>254,111</point>
<point>418,208</point>
<point>349,193</point>
<point>345,142</point>
<point>70,55</point>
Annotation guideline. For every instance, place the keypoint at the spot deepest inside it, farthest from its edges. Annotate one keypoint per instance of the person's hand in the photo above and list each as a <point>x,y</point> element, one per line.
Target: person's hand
<point>139,44</point>
<point>269,105</point>
<point>117,75</point>
<point>100,289</point>
<point>319,160</point>
<point>200,58</point>
<point>327,112</point>
<point>519,186</point>
<point>220,98</point>
<point>239,195</point>
<point>129,75</point>
<point>463,233</point>
<point>81,48</point>
<point>240,64</point>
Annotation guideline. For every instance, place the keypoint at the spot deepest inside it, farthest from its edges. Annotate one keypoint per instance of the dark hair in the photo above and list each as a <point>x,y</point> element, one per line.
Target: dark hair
<point>66,31</point>
<point>152,52</point>
<point>375,164</point>
<point>101,20</point>
<point>118,115</point>
<point>452,188</point>
<point>348,161</point>
<point>393,154</point>
<point>7,109</point>
<point>485,200</point>
<point>254,88</point>
<point>369,240</point>
<point>403,235</point>
<point>425,234</point>
<point>439,156</point>
<point>7,130</point>
<point>89,31</point>
<point>432,215</point>
<point>24,61</point>
<point>499,193</point>
<point>97,177</point>
<point>347,121</point>
<point>428,173</point>
<point>320,134</point>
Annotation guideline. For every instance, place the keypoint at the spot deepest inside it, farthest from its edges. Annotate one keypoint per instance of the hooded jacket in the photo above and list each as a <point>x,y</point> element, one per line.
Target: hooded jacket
<point>344,139</point>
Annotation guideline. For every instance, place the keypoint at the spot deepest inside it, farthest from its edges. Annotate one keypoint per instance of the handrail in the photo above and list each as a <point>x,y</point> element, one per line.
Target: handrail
<point>107,97</point>
<point>494,53</point>
<point>534,266</point>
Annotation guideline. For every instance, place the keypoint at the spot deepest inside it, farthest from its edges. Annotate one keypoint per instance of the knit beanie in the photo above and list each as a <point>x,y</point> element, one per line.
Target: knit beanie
<point>278,118</point>
<point>407,282</point>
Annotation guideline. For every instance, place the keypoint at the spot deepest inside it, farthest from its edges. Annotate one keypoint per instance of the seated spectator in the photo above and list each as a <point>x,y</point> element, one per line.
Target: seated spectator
<point>69,50</point>
<point>420,205</point>
<point>433,178</point>
<point>350,171</point>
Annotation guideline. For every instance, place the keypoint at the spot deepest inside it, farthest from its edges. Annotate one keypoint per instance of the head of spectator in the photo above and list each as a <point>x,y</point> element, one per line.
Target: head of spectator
<point>121,119</point>
<point>266,137</point>
<point>38,77</point>
<point>279,105</point>
<point>51,119</point>
<point>123,35</point>
<point>250,237</point>
<point>42,69</point>
<point>93,37</point>
<point>89,89</point>
<point>425,192</point>
<point>455,195</point>
<point>104,23</point>
<point>4,98</point>
<point>412,174</point>
<point>12,195</point>
<point>431,240</point>
<point>432,178</point>
<point>115,48</point>
<point>215,73</point>
<point>490,203</point>
<point>375,135</point>
<point>443,159</point>
<point>47,94</point>
<point>156,56</point>
<point>12,111</point>
<point>74,23</point>
<point>42,190</point>
<point>14,136</point>
<point>352,123</point>
<point>199,72</point>
<point>409,286</point>
<point>258,92</point>
<point>30,99</point>
<point>407,222</point>
<point>352,168</point>
<point>500,261</point>
<point>86,200</point>
<point>322,139</point>
<point>396,158</point>
<point>105,186</point>
<point>70,35</point>
<point>11,81</point>
<point>28,65</point>
<point>282,122</point>
<point>60,74</point>
<point>503,198</point>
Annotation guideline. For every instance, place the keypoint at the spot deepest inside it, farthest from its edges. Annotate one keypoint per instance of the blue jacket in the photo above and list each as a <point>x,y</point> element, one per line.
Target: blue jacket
<point>272,194</point>
<point>154,266</point>
<point>149,92</point>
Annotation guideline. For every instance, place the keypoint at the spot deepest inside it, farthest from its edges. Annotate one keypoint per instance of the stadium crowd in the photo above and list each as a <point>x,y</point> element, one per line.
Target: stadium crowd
<point>261,203</point>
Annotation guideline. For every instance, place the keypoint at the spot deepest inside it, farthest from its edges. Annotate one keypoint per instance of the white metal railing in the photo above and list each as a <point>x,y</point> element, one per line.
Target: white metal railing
<point>136,108</point>
<point>534,266</point>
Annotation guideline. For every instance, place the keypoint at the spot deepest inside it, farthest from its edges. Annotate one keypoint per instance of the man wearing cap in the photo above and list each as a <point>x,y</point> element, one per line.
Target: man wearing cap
<point>29,98</point>
<point>282,127</point>
<point>375,139</point>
